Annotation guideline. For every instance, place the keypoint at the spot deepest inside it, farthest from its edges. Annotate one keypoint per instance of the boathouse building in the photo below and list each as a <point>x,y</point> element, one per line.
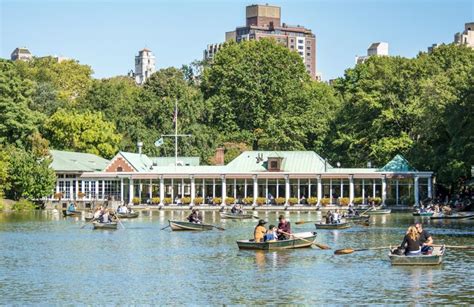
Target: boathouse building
<point>300,177</point>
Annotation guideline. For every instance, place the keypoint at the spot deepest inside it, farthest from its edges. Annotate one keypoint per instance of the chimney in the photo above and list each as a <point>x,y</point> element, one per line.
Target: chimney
<point>139,145</point>
<point>219,156</point>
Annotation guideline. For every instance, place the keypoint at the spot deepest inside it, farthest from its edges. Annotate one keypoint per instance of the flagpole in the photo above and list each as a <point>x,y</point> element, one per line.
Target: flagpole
<point>176,133</point>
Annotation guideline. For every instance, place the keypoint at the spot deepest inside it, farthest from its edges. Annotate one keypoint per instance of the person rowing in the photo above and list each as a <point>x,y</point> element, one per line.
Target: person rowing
<point>284,228</point>
<point>425,239</point>
<point>259,231</point>
<point>71,208</point>
<point>411,242</point>
<point>195,217</point>
<point>236,209</point>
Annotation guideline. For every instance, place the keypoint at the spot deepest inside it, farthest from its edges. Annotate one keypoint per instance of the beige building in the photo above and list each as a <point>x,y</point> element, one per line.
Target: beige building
<point>466,37</point>
<point>375,49</point>
<point>264,21</point>
<point>144,65</point>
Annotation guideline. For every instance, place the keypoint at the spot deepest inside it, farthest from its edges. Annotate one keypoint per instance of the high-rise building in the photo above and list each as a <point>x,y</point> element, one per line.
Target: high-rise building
<point>211,50</point>
<point>375,49</point>
<point>264,21</point>
<point>466,37</point>
<point>144,65</point>
<point>22,54</point>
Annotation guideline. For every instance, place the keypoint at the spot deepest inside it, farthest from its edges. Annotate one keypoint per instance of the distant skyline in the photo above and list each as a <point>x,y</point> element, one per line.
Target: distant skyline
<point>107,34</point>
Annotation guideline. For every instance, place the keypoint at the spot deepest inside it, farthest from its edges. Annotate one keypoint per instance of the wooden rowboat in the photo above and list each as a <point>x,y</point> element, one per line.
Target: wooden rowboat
<point>423,213</point>
<point>72,213</point>
<point>182,226</point>
<point>298,240</point>
<point>98,225</point>
<point>128,215</point>
<point>88,218</point>
<point>434,259</point>
<point>379,212</point>
<point>228,215</point>
<point>355,217</point>
<point>455,216</point>
<point>332,226</point>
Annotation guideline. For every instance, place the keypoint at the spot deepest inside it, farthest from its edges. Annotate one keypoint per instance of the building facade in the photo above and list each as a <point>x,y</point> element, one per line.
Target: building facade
<point>144,65</point>
<point>21,54</point>
<point>375,49</point>
<point>264,21</point>
<point>467,36</point>
<point>211,51</point>
<point>254,175</point>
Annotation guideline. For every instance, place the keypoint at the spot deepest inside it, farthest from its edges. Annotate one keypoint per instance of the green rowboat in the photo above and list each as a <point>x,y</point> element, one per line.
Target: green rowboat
<point>183,226</point>
<point>332,226</point>
<point>105,226</point>
<point>227,215</point>
<point>72,213</point>
<point>434,259</point>
<point>298,240</point>
<point>128,215</point>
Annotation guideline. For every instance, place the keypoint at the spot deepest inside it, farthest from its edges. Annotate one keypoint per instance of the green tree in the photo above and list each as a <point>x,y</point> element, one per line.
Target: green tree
<point>84,132</point>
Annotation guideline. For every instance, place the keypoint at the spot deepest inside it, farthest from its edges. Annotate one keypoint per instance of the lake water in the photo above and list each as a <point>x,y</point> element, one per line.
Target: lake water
<point>48,259</point>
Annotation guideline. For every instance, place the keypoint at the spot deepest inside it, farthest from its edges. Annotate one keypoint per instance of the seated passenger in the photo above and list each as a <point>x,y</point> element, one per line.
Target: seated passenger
<point>71,207</point>
<point>284,228</point>
<point>271,234</point>
<point>329,217</point>
<point>411,242</point>
<point>336,218</point>
<point>195,217</point>
<point>425,239</point>
<point>259,231</point>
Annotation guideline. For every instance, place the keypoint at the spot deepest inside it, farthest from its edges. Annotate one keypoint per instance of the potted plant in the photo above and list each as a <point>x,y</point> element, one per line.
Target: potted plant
<point>155,200</point>
<point>261,201</point>
<point>58,195</point>
<point>325,201</point>
<point>198,201</point>
<point>167,201</point>
<point>280,201</point>
<point>376,200</point>
<point>229,200</point>
<point>217,200</point>
<point>186,200</point>
<point>136,201</point>
<point>358,200</point>
<point>248,200</point>
<point>81,195</point>
<point>292,201</point>
<point>344,201</point>
<point>312,201</point>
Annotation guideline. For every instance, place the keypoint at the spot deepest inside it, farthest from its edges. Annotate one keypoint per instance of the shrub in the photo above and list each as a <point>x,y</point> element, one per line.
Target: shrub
<point>312,201</point>
<point>292,201</point>
<point>344,201</point>
<point>377,200</point>
<point>280,201</point>
<point>261,201</point>
<point>248,200</point>
<point>325,201</point>
<point>358,201</point>
<point>229,200</point>
<point>23,205</point>
<point>185,200</point>
<point>167,201</point>
<point>155,200</point>
<point>81,195</point>
<point>58,195</point>
<point>198,201</point>
<point>217,200</point>
<point>136,200</point>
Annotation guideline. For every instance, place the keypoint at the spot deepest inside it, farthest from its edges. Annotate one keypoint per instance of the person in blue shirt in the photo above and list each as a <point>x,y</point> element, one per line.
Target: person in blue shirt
<point>71,207</point>
<point>271,234</point>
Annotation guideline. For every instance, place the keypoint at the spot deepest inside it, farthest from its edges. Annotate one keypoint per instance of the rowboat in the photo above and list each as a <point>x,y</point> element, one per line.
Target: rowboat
<point>98,225</point>
<point>237,216</point>
<point>332,226</point>
<point>128,215</point>
<point>455,216</point>
<point>182,225</point>
<point>88,218</point>
<point>298,240</point>
<point>355,217</point>
<point>71,213</point>
<point>378,212</point>
<point>434,259</point>
<point>423,213</point>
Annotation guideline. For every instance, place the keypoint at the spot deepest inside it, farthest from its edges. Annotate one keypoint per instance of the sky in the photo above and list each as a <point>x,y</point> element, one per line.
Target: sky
<point>107,34</point>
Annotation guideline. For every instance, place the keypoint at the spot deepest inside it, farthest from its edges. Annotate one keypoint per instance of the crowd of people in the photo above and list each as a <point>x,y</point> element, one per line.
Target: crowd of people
<point>104,215</point>
<point>333,217</point>
<point>273,233</point>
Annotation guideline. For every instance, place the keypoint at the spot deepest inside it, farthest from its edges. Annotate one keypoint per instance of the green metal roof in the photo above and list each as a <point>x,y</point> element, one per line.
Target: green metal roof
<point>398,164</point>
<point>67,161</point>
<point>293,161</point>
<point>140,162</point>
<point>170,161</point>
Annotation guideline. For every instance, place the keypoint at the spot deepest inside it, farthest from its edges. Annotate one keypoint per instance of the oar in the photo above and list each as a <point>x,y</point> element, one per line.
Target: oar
<point>321,246</point>
<point>87,223</point>
<point>346,251</point>
<point>165,227</point>
<point>220,228</point>
<point>304,222</point>
<point>120,222</point>
<point>456,246</point>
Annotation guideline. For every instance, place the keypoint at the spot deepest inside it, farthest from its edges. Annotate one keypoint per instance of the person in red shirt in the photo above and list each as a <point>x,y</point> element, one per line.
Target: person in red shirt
<point>284,228</point>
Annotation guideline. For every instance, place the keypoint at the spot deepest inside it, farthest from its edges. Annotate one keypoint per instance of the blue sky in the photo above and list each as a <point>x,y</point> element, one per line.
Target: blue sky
<point>108,34</point>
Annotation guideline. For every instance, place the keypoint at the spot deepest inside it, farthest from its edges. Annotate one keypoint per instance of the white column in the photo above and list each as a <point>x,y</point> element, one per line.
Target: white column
<point>71,190</point>
<point>121,190</point>
<point>150,190</point>
<point>373,189</point>
<point>162,189</point>
<point>96,189</point>
<point>287,189</point>
<point>90,189</point>
<point>235,188</point>
<point>277,188</point>
<point>384,190</point>
<point>255,189</point>
<point>363,191</point>
<point>330,191</point>
<point>266,191</point>
<point>213,188</point>
<point>342,188</point>
<point>130,191</point>
<point>309,189</point>
<point>416,191</point>
<point>193,190</point>
<point>224,189</point>
<point>430,191</point>
<point>82,188</point>
<point>203,190</point>
<point>320,190</point>
<point>103,190</point>
<point>351,189</point>
<point>299,191</point>
<point>77,188</point>
<point>396,191</point>
<point>245,188</point>
<point>140,188</point>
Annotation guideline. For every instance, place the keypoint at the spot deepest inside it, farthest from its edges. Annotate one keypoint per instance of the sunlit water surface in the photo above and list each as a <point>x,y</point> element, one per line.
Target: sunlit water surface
<point>48,259</point>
